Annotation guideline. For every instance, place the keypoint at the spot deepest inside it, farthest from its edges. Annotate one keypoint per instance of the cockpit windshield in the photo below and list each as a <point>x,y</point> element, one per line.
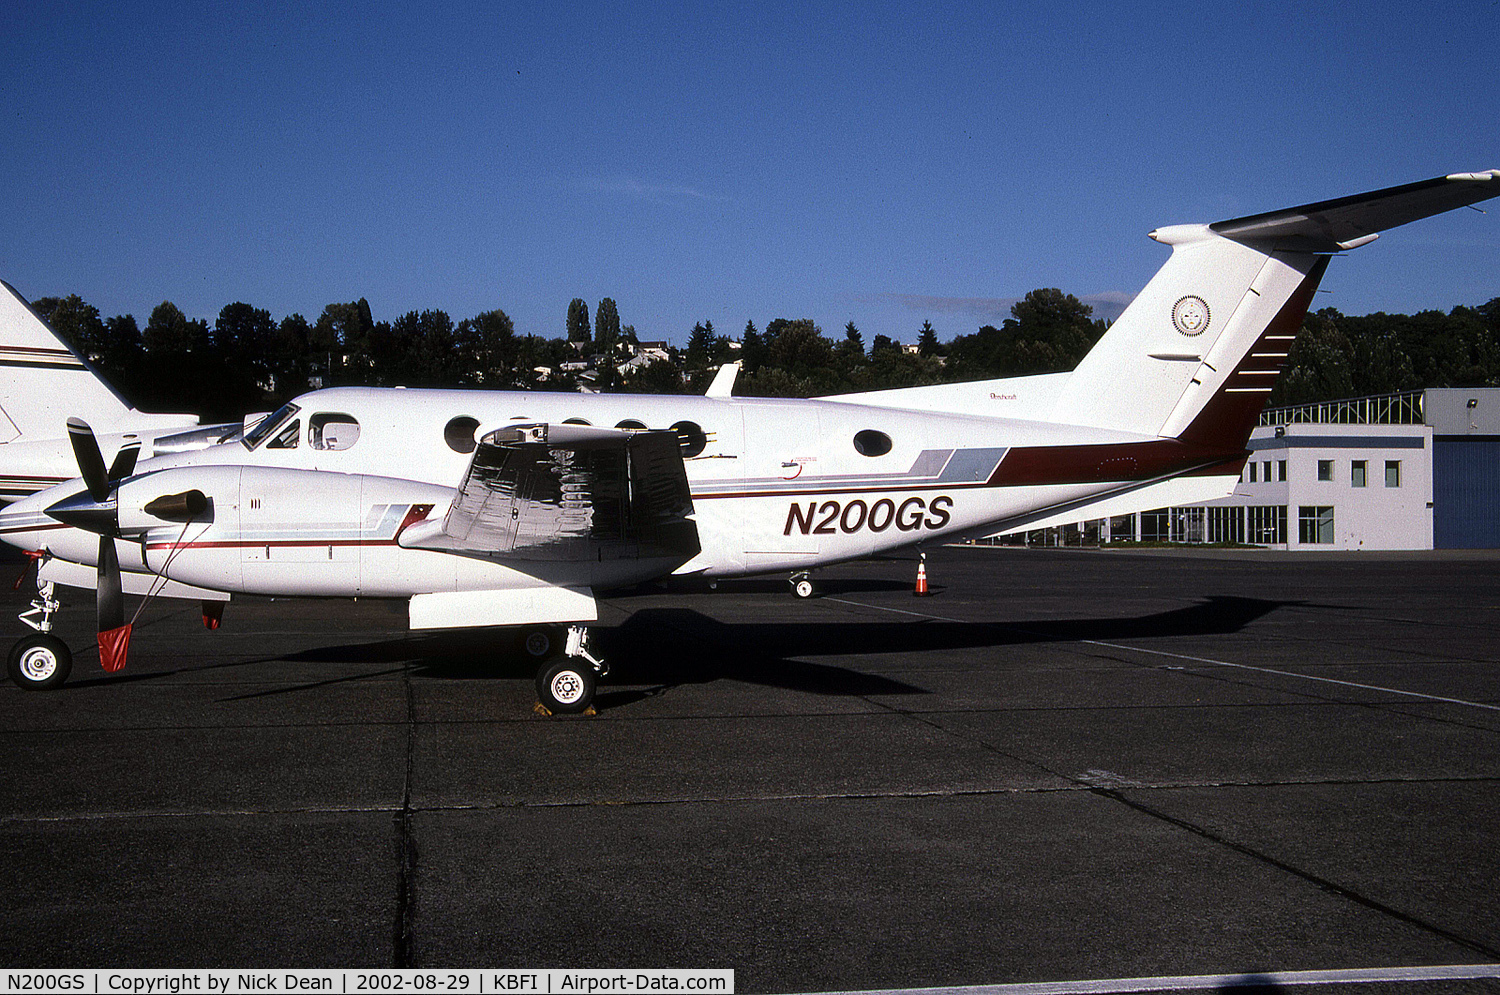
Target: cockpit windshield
<point>269,424</point>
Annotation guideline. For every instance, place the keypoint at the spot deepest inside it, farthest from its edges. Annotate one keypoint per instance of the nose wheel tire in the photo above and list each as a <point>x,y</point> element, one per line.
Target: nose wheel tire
<point>566,687</point>
<point>802,586</point>
<point>40,663</point>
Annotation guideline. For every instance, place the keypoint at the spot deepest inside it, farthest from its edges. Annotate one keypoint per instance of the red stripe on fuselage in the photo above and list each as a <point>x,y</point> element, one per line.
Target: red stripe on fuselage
<point>1041,465</point>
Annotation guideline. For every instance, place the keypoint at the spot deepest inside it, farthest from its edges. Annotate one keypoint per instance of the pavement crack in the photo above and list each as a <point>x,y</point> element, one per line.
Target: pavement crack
<point>1325,884</point>
<point>406,847</point>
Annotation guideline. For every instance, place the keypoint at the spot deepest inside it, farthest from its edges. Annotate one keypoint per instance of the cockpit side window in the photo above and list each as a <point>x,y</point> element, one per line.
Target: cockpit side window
<point>287,435</point>
<point>269,424</point>
<point>332,431</point>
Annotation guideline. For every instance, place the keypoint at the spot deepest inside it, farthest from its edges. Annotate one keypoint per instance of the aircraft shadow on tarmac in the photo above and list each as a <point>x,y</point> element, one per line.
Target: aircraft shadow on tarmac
<point>662,648</point>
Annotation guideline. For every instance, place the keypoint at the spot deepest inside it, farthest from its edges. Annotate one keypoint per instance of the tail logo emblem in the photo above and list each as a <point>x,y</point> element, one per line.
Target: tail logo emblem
<point>1190,315</point>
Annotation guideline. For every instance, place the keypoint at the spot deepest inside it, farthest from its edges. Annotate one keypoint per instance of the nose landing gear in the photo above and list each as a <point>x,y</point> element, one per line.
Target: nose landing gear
<point>40,662</point>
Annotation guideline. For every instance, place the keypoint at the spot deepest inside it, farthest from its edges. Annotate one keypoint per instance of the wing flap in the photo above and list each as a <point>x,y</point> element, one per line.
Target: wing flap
<point>564,493</point>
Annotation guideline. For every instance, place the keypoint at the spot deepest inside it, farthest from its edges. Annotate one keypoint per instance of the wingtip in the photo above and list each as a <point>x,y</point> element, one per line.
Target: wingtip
<point>1488,174</point>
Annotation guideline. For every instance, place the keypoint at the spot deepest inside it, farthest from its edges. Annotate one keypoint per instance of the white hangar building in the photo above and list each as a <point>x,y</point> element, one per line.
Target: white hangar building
<point>1417,470</point>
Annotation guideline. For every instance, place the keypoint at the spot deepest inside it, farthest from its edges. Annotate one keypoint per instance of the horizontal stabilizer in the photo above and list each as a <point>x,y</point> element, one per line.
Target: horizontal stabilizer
<point>1336,225</point>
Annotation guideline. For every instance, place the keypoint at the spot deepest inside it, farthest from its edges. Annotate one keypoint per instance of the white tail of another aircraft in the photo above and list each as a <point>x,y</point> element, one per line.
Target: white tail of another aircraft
<point>43,383</point>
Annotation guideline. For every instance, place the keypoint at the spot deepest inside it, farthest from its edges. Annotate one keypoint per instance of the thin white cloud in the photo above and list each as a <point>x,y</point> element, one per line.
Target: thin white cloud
<point>659,193</point>
<point>993,310</point>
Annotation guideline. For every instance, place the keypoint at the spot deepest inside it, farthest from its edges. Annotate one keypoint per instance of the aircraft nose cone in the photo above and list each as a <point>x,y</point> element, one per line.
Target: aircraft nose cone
<point>83,512</point>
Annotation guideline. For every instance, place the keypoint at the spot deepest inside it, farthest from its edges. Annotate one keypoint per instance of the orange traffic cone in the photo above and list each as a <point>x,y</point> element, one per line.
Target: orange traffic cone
<point>921,590</point>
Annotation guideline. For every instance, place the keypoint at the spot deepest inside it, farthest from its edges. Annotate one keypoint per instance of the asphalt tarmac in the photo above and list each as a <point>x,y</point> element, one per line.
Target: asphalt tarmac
<point>1063,765</point>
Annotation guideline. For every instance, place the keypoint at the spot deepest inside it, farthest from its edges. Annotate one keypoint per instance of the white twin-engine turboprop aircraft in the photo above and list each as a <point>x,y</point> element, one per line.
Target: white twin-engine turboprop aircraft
<point>488,508</point>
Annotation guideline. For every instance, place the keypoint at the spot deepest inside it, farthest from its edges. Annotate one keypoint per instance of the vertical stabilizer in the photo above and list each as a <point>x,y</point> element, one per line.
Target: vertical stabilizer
<point>1195,356</point>
<point>1179,341</point>
<point>43,382</point>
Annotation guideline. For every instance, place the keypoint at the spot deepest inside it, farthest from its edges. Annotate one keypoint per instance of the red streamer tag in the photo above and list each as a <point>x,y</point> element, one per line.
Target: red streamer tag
<point>113,645</point>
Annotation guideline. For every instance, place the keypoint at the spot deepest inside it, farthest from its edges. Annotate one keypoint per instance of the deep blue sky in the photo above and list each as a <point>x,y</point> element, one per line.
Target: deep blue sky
<point>885,164</point>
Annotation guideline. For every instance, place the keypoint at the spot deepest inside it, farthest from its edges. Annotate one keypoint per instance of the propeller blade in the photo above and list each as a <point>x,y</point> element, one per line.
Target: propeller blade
<point>90,462</point>
<point>111,601</point>
<point>124,464</point>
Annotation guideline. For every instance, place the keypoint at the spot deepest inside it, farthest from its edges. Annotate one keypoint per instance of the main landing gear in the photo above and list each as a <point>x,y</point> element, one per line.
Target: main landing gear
<point>40,662</point>
<point>564,686</point>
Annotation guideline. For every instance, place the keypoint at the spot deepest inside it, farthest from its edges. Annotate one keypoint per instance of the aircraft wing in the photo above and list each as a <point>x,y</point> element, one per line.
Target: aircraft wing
<point>1336,225</point>
<point>569,493</point>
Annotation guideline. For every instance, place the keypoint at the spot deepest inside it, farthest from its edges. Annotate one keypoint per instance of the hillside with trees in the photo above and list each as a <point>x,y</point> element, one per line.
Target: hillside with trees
<point>247,361</point>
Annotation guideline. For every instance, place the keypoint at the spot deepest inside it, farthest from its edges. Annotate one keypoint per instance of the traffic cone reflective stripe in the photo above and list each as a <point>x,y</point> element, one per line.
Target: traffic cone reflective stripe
<point>922,577</point>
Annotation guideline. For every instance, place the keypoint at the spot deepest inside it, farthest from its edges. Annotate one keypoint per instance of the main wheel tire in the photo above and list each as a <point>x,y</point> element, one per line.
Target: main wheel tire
<point>803,587</point>
<point>566,687</point>
<point>40,662</point>
<point>542,642</point>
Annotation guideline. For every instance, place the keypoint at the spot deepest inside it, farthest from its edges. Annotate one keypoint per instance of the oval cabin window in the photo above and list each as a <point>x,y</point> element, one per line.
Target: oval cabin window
<point>459,434</point>
<point>872,443</point>
<point>631,425</point>
<point>691,438</point>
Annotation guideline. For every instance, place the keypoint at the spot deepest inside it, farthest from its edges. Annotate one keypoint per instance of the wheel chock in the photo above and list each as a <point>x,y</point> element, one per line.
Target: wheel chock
<point>546,712</point>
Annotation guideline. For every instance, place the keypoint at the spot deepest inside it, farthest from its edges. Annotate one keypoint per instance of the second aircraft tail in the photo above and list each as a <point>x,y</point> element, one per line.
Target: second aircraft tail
<point>43,382</point>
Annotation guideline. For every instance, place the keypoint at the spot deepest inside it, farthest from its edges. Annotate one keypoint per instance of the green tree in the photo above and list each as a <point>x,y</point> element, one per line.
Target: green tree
<point>578,321</point>
<point>169,332</point>
<point>1049,332</point>
<point>700,345</point>
<point>123,349</point>
<point>606,325</point>
<point>496,349</point>
<point>752,349</point>
<point>1318,366</point>
<point>342,343</point>
<point>290,358</point>
<point>799,347</point>
<point>243,337</point>
<point>77,322</point>
<point>927,343</point>
<point>853,340</point>
<point>660,376</point>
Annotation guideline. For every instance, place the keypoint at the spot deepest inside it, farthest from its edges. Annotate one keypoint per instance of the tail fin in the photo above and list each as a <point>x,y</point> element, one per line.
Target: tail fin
<point>1197,353</point>
<point>43,382</point>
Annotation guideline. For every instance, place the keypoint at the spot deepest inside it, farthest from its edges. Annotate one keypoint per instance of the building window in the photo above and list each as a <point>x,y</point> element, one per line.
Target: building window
<point>1188,524</point>
<point>1358,472</point>
<point>1265,471</point>
<point>1253,470</point>
<point>1226,524</point>
<point>1267,524</point>
<point>1156,526</point>
<point>1325,469</point>
<point>1393,473</point>
<point>1315,525</point>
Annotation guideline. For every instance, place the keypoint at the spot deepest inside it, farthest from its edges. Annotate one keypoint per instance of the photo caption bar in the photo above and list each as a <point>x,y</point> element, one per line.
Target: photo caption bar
<point>489,981</point>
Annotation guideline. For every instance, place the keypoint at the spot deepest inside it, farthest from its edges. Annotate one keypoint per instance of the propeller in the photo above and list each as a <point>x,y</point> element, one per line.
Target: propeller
<point>101,515</point>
